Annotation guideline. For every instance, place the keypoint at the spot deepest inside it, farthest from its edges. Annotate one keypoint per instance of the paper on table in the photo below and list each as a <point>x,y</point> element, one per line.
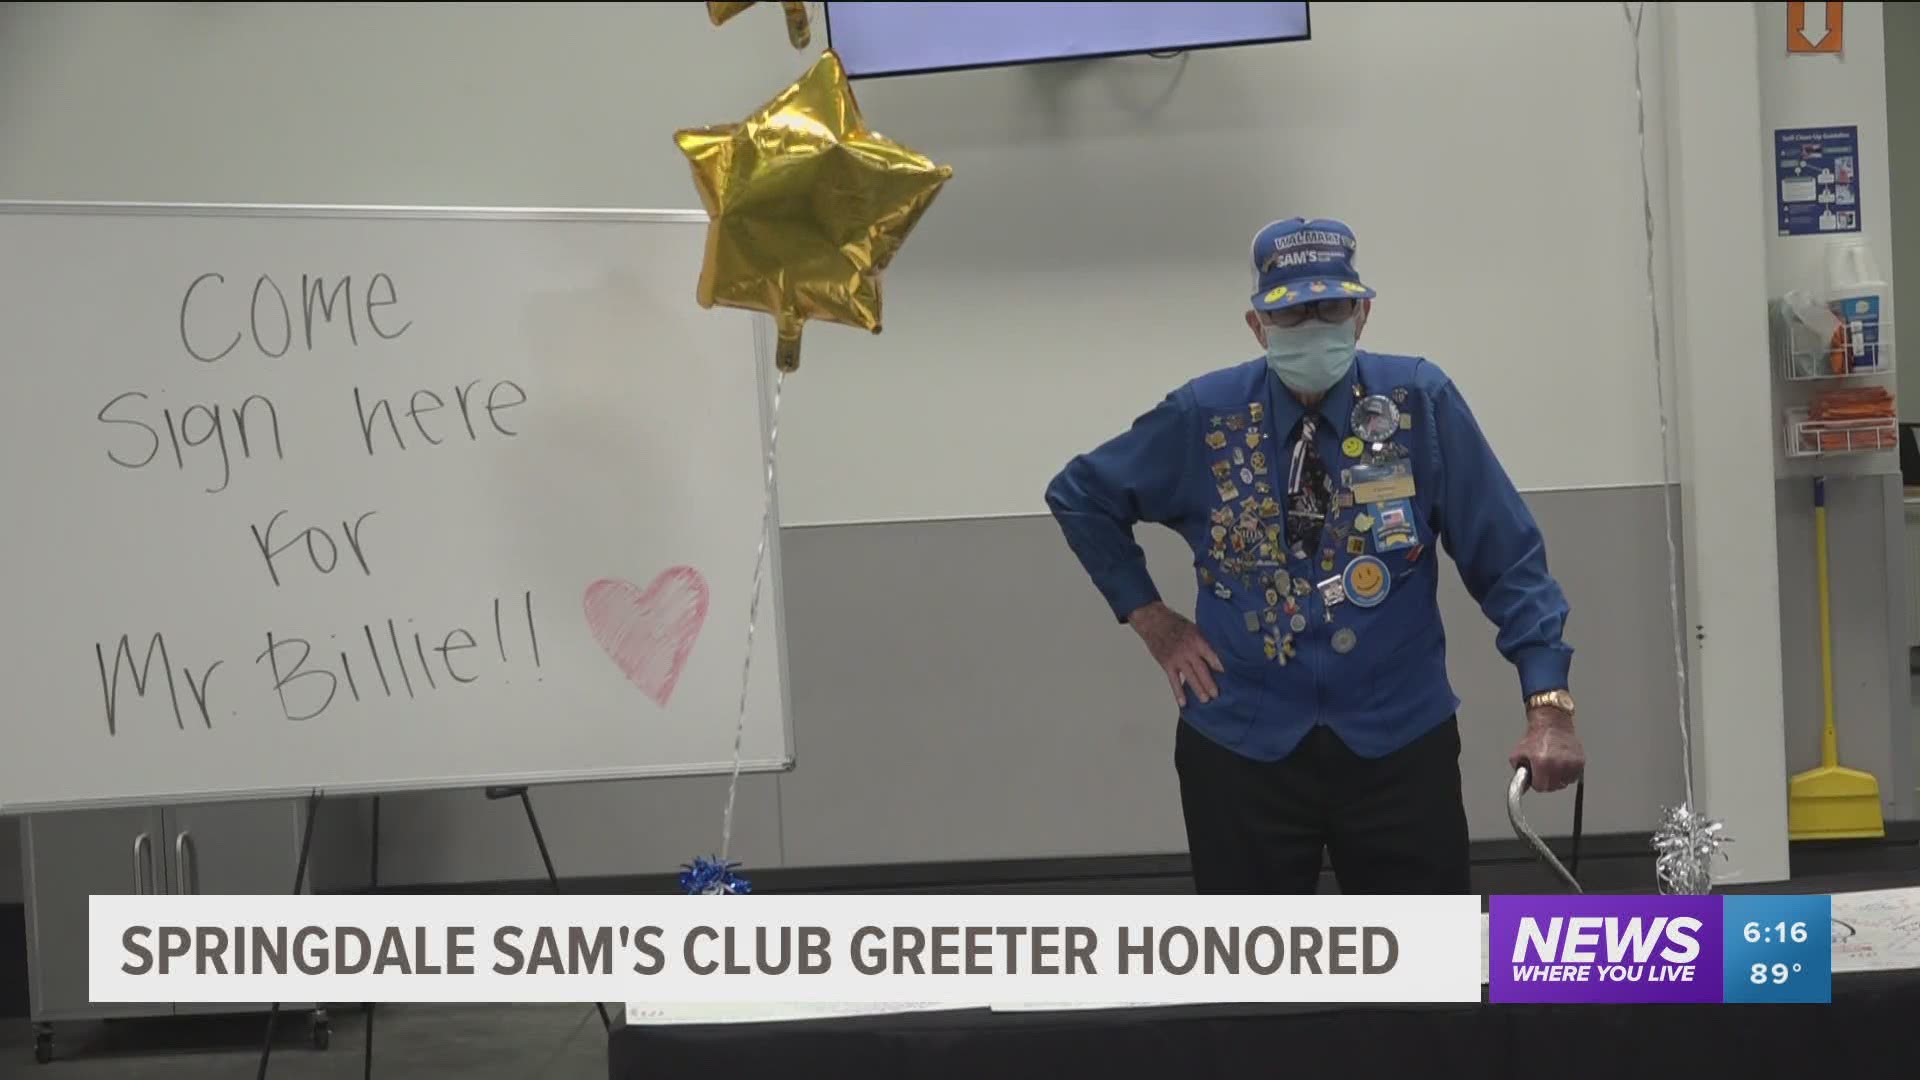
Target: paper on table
<point>639,1013</point>
<point>1877,930</point>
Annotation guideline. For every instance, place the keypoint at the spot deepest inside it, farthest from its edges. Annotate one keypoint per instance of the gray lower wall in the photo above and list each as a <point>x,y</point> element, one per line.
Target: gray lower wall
<point>10,891</point>
<point>960,693</point>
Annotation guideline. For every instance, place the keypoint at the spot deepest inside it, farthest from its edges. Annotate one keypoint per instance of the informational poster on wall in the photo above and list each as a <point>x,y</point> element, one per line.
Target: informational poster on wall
<point>1817,180</point>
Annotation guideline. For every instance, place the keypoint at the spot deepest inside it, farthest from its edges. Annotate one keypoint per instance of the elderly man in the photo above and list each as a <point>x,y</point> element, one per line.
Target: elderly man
<point>1316,717</point>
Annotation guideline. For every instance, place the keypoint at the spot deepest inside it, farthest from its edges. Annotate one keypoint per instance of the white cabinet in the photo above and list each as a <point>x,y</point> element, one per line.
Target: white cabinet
<point>222,848</point>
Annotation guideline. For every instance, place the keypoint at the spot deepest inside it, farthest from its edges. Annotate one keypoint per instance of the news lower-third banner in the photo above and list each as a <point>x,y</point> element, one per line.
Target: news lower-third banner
<point>957,950</point>
<point>1670,949</point>
<point>963,950</point>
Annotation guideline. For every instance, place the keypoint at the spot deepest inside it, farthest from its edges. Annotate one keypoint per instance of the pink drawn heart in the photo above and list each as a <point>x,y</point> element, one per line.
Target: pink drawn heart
<point>649,633</point>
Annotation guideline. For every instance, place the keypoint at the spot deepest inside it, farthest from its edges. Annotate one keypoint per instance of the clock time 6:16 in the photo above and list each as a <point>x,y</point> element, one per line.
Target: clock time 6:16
<point>1780,932</point>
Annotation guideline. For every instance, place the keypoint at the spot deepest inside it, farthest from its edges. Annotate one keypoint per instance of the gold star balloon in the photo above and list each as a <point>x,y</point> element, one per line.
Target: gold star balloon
<point>807,207</point>
<point>798,30</point>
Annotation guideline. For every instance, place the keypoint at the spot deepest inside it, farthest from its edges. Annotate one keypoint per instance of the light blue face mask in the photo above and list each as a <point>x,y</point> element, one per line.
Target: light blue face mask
<point>1311,357</point>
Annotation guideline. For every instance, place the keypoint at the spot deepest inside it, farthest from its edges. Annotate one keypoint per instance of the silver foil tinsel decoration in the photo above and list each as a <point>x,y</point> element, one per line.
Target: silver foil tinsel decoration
<point>1686,840</point>
<point>1684,846</point>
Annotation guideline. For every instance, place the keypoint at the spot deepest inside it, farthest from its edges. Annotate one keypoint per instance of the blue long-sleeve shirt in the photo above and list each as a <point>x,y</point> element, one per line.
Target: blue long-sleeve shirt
<point>1210,462</point>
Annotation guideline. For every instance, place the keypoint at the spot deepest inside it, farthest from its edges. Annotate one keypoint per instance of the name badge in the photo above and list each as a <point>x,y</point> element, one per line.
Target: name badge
<point>1394,526</point>
<point>1380,482</point>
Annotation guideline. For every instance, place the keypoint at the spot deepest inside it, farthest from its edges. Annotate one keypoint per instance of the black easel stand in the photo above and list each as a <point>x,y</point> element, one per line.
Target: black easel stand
<point>299,881</point>
<point>546,859</point>
<point>373,881</point>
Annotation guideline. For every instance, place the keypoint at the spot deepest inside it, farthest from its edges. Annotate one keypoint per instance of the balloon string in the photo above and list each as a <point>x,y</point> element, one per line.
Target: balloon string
<point>1635,13</point>
<point>753,616</point>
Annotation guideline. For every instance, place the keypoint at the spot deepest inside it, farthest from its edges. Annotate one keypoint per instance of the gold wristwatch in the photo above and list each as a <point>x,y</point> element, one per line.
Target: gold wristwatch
<point>1559,699</point>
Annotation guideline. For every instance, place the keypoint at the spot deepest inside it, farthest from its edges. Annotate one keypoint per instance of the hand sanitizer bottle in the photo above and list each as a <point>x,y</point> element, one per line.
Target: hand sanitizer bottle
<point>1856,294</point>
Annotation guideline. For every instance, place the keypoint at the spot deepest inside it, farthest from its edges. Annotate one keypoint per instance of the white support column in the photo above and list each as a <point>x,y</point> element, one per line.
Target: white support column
<point>1718,209</point>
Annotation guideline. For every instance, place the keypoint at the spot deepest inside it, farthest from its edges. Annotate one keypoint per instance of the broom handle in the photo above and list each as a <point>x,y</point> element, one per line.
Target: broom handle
<point>1829,741</point>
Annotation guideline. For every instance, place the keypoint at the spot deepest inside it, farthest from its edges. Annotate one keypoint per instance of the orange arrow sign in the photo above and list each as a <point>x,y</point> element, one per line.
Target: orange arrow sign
<point>1816,27</point>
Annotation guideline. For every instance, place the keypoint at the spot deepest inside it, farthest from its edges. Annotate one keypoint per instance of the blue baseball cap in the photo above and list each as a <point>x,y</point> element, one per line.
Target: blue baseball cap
<point>1297,261</point>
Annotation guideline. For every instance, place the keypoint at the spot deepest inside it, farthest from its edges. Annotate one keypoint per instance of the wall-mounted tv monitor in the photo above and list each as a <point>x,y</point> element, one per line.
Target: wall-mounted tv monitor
<point>874,39</point>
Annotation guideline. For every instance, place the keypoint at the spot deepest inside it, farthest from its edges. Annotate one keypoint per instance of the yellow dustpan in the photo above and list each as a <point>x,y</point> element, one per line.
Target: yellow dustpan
<point>1830,802</point>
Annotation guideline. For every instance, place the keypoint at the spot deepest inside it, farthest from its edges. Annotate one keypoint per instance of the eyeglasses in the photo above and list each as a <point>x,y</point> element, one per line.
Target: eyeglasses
<point>1327,311</point>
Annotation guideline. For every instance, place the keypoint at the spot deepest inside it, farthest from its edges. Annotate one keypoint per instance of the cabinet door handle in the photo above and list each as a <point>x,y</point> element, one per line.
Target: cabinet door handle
<point>142,863</point>
<point>187,858</point>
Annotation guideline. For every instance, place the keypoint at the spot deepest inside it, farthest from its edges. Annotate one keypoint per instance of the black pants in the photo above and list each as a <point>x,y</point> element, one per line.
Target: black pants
<point>1394,824</point>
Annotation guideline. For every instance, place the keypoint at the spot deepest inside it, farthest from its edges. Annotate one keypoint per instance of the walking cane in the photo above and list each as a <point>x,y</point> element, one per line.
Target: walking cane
<point>1518,787</point>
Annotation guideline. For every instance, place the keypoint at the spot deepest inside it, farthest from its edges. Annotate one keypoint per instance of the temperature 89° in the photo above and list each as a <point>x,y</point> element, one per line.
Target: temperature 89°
<point>1772,974</point>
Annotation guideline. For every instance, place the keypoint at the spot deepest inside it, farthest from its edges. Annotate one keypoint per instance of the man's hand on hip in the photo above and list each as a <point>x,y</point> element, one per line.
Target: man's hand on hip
<point>1179,648</point>
<point>1550,750</point>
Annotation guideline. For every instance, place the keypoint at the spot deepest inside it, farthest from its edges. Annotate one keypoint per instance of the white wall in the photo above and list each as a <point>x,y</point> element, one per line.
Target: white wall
<point>1902,28</point>
<point>1815,90</point>
<point>1726,436</point>
<point>1866,521</point>
<point>459,104</point>
<point>1089,254</point>
<point>1092,248</point>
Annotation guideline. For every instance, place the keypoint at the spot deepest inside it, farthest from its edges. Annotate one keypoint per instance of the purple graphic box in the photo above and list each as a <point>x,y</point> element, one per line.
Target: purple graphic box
<point>1605,949</point>
<point>889,39</point>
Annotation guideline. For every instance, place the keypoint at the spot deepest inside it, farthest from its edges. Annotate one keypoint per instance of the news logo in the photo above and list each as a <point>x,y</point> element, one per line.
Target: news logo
<point>1612,950</point>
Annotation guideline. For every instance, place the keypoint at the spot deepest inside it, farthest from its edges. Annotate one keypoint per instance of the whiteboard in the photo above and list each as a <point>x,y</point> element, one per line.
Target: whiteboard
<point>378,499</point>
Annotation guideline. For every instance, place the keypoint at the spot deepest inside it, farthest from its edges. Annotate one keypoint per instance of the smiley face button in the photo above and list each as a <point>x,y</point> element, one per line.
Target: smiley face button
<point>1367,581</point>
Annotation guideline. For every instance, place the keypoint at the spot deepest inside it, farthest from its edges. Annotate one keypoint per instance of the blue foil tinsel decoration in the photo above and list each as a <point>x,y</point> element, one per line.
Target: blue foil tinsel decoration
<point>706,876</point>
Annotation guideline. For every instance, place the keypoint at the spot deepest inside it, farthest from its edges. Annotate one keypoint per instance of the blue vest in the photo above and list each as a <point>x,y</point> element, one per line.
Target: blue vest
<point>1344,633</point>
